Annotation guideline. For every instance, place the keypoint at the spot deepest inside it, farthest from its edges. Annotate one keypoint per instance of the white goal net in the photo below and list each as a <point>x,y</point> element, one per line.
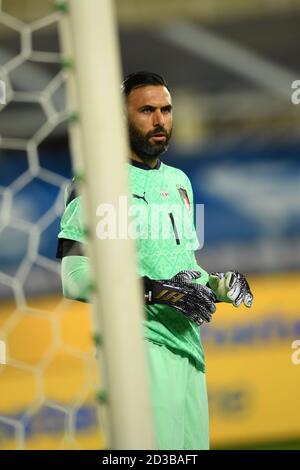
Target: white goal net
<point>49,382</point>
<point>50,378</point>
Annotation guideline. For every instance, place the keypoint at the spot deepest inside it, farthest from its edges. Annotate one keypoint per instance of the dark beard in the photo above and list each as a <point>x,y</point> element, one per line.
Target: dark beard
<point>140,144</point>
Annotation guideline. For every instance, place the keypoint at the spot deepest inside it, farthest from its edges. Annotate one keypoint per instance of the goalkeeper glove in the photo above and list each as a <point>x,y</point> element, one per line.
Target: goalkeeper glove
<point>232,287</point>
<point>193,300</point>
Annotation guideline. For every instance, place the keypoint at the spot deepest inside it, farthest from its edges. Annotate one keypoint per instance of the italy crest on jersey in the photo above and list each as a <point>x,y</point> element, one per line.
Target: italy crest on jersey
<point>184,196</point>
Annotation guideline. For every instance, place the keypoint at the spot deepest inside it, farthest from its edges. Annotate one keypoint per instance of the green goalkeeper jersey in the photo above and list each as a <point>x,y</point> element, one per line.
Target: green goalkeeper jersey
<point>161,212</point>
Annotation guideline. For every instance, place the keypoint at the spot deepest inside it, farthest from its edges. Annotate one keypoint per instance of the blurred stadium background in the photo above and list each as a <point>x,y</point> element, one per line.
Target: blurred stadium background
<point>230,66</point>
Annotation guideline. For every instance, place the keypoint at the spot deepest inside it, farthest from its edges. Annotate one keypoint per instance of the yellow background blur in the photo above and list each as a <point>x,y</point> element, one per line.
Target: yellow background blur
<point>252,381</point>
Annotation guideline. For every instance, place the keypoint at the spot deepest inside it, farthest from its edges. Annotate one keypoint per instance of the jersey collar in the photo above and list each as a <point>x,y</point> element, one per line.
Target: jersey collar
<point>143,166</point>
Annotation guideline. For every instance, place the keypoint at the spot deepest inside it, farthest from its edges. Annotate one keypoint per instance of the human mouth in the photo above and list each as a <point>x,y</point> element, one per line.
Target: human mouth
<point>159,137</point>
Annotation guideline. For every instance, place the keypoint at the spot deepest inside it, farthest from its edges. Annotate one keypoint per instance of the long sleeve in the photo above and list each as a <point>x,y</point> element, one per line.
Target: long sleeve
<point>75,274</point>
<point>194,239</point>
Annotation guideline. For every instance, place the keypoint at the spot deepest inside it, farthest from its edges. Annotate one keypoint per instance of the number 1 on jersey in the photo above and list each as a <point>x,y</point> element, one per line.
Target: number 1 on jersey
<point>174,228</point>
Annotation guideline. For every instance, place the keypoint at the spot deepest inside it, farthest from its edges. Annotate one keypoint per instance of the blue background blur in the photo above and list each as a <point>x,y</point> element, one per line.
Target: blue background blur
<point>250,190</point>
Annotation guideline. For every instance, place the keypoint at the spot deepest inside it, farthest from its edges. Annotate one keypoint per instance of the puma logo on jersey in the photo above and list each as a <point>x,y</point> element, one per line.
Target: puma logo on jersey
<point>141,197</point>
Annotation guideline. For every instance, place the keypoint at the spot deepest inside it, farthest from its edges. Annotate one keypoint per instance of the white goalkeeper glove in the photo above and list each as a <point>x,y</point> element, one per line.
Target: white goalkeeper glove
<point>231,287</point>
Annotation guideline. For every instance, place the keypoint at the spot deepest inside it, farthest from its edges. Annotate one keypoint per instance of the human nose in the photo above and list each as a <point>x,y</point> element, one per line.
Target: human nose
<point>158,119</point>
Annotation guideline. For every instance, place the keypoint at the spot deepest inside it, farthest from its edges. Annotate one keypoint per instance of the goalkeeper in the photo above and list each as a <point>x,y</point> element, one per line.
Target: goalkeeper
<point>179,294</point>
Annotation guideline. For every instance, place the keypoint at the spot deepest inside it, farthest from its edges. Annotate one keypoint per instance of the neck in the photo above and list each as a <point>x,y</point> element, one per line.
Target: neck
<point>150,162</point>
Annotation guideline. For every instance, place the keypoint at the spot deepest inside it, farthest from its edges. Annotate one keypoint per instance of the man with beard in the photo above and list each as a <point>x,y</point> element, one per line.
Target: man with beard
<point>179,294</point>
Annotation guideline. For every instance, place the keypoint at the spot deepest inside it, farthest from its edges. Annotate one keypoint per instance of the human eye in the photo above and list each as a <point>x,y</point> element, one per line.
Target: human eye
<point>167,109</point>
<point>146,110</point>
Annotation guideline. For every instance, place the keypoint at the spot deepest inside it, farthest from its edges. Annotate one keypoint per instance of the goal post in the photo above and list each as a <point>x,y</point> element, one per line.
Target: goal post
<point>100,151</point>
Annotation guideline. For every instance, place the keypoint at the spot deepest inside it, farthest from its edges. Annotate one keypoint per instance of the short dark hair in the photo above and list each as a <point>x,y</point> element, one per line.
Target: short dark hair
<point>139,79</point>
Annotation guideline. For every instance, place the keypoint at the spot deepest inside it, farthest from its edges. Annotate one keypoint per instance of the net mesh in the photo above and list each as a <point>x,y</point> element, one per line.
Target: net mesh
<point>48,384</point>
